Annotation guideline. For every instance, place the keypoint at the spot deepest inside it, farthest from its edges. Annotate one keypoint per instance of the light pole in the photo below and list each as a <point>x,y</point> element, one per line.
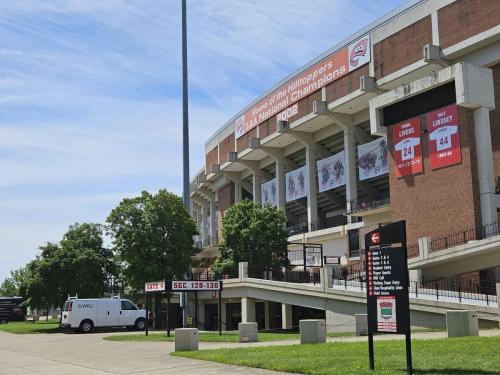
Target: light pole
<point>185,133</point>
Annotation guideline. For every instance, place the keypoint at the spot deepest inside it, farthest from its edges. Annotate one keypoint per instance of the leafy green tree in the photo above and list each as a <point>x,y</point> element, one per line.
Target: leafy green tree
<point>153,238</point>
<point>252,233</point>
<point>79,264</point>
<point>11,285</point>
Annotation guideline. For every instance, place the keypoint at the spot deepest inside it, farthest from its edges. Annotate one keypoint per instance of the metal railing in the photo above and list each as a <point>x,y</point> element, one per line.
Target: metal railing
<point>329,222</point>
<point>413,251</point>
<point>297,228</point>
<point>285,274</point>
<point>452,289</point>
<point>358,206</point>
<point>464,236</point>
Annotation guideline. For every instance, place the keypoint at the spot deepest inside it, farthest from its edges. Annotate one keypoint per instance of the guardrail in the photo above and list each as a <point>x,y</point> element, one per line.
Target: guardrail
<point>359,206</point>
<point>285,274</point>
<point>462,237</point>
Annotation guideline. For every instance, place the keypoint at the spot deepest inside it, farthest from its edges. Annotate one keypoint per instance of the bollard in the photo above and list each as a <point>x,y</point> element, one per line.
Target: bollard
<point>186,339</point>
<point>462,323</point>
<point>361,324</point>
<point>247,332</point>
<point>312,331</point>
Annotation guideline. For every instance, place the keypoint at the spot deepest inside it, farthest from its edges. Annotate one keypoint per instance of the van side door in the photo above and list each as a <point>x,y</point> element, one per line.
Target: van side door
<point>113,312</point>
<point>128,313</point>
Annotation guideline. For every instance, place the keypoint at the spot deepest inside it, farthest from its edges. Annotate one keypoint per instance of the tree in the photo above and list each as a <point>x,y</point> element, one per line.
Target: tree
<point>79,264</point>
<point>252,233</point>
<point>152,238</point>
<point>11,285</point>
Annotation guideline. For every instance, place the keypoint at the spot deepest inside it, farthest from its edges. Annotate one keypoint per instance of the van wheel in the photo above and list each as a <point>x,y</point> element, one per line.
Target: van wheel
<point>86,326</point>
<point>140,324</point>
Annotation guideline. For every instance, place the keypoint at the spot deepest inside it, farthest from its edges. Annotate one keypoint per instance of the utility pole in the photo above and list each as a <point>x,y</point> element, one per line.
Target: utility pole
<point>185,134</point>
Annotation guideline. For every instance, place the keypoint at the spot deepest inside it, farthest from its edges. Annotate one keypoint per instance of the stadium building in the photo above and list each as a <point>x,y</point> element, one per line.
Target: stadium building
<point>400,121</point>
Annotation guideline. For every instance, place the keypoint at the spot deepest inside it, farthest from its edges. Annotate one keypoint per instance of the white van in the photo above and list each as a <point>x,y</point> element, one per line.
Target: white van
<point>85,314</point>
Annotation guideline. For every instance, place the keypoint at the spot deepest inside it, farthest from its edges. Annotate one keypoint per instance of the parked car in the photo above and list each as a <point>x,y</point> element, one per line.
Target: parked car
<point>11,309</point>
<point>86,314</point>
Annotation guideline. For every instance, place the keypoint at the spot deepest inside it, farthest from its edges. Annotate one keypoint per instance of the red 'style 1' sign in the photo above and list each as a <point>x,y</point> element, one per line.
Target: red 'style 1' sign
<point>407,147</point>
<point>444,138</point>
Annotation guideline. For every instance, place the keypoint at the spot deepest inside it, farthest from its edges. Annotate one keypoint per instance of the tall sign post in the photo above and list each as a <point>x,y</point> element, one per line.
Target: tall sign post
<point>388,303</point>
<point>152,287</point>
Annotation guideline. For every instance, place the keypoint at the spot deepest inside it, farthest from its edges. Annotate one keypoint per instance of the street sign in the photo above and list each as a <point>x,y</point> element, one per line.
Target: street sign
<point>388,303</point>
<point>155,286</point>
<point>194,286</point>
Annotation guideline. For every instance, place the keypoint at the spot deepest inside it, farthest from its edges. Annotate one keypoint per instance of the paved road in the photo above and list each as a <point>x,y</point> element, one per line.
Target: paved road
<point>62,354</point>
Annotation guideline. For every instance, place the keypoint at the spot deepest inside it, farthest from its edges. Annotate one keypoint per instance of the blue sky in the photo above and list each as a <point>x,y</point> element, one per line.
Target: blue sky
<point>90,95</point>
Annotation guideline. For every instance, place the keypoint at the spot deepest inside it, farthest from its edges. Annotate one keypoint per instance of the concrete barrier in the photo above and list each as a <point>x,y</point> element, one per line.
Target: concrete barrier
<point>312,331</point>
<point>361,324</point>
<point>462,323</point>
<point>247,332</point>
<point>186,339</point>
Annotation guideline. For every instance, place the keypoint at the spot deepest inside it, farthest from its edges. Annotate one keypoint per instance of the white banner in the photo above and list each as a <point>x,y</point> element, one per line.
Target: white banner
<point>372,159</point>
<point>331,172</point>
<point>269,192</point>
<point>155,286</point>
<point>296,184</point>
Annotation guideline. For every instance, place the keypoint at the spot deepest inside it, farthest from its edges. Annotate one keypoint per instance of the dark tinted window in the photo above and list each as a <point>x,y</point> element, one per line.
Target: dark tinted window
<point>127,305</point>
<point>354,243</point>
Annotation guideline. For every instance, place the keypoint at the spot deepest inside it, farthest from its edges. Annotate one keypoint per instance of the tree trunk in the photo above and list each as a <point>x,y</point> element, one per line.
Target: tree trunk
<point>157,317</point>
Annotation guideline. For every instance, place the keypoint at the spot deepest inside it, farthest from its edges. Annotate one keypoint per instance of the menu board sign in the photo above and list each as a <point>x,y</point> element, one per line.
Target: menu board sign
<point>387,280</point>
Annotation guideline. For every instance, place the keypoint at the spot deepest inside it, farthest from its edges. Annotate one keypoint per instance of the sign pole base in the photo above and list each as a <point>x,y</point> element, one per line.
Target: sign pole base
<point>409,366</point>
<point>371,356</point>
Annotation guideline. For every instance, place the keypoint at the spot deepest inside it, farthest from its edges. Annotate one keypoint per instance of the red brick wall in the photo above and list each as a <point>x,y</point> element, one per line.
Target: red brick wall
<point>305,105</point>
<point>226,146</point>
<point>242,143</point>
<point>211,158</point>
<point>345,85</point>
<point>465,18</point>
<point>403,48</point>
<point>495,122</point>
<point>225,200</point>
<point>267,127</point>
<point>442,201</point>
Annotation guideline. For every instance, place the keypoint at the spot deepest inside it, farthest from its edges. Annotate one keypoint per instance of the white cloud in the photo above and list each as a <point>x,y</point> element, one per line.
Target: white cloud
<point>90,105</point>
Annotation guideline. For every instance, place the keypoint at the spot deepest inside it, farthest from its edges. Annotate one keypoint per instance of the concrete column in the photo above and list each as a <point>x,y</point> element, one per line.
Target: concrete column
<point>256,188</point>
<point>485,166</point>
<point>267,315</point>
<point>424,247</point>
<point>237,193</point>
<point>286,316</point>
<point>247,310</point>
<point>312,188</point>
<point>204,222</point>
<point>351,186</point>
<point>213,223</point>
<point>280,183</point>
<point>243,270</point>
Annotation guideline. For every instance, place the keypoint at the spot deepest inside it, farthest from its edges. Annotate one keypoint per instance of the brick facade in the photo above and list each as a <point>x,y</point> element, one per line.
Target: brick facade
<point>242,143</point>
<point>226,146</point>
<point>403,48</point>
<point>212,157</point>
<point>225,200</point>
<point>495,123</point>
<point>345,85</point>
<point>268,127</point>
<point>465,18</point>
<point>440,201</point>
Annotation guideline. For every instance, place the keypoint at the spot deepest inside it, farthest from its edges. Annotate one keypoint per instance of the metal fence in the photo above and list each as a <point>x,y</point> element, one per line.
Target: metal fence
<point>285,274</point>
<point>453,289</point>
<point>358,206</point>
<point>464,236</point>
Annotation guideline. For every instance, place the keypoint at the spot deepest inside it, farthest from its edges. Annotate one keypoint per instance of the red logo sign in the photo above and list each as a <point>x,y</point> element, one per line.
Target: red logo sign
<point>444,138</point>
<point>375,238</point>
<point>407,147</point>
<point>358,51</point>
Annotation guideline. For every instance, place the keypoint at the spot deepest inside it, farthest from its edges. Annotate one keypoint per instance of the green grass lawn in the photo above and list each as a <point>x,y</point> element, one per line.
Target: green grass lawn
<point>51,326</point>
<point>462,356</point>
<point>214,336</point>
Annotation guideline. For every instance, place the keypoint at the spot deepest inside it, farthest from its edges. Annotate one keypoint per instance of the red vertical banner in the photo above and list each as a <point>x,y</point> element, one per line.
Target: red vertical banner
<point>444,137</point>
<point>407,147</point>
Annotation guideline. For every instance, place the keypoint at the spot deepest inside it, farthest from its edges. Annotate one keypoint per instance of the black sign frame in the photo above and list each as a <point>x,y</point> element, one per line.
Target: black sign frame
<point>387,297</point>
